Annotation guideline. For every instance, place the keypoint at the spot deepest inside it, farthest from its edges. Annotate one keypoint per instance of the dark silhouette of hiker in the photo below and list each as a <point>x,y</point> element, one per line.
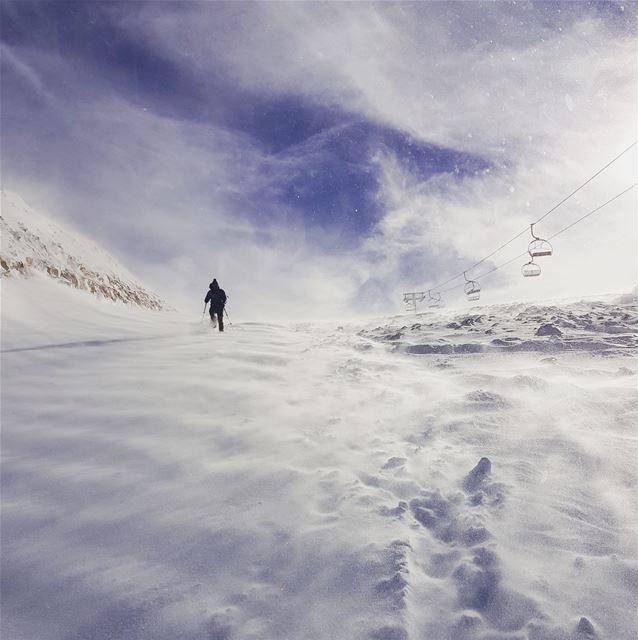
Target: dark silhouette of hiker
<point>217,299</point>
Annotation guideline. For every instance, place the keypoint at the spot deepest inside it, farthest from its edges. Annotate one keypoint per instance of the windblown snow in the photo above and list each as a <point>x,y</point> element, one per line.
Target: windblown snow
<point>449,476</point>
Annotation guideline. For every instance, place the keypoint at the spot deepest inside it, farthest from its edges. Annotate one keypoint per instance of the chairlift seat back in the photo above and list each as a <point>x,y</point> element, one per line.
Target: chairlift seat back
<point>539,248</point>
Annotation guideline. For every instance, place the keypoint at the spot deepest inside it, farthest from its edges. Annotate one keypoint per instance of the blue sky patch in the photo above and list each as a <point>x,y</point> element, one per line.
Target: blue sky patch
<point>318,167</point>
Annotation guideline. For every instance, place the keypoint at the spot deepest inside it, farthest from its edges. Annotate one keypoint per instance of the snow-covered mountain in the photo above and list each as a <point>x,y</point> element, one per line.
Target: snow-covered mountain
<point>33,243</point>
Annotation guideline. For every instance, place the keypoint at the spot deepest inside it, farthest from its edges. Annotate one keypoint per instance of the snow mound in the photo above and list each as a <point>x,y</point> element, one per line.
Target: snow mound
<point>33,243</point>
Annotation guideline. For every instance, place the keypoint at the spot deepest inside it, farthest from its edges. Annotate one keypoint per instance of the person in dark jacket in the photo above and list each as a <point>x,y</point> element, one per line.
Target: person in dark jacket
<point>217,299</point>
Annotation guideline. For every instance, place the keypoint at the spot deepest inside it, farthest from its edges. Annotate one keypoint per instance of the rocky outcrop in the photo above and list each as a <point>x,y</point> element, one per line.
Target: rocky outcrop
<point>49,249</point>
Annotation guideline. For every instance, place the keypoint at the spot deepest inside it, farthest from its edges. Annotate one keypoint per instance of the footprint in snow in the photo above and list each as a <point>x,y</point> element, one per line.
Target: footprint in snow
<point>446,522</point>
<point>394,512</point>
<point>478,586</point>
<point>445,517</point>
<point>394,588</point>
<point>440,565</point>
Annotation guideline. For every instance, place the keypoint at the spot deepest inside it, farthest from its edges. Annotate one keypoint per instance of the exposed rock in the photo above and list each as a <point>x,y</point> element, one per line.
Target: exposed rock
<point>471,320</point>
<point>31,243</point>
<point>548,330</point>
<point>585,630</point>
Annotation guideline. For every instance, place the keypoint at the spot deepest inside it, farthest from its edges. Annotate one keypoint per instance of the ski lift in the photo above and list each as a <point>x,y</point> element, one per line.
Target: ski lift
<point>538,247</point>
<point>472,289</point>
<point>530,269</point>
<point>411,299</point>
<point>434,300</point>
<point>409,302</point>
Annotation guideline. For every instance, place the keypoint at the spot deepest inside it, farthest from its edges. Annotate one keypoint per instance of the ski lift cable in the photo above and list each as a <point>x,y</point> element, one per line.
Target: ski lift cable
<point>526,230</point>
<point>569,226</point>
<point>525,253</point>
<point>633,144</point>
<point>487,273</point>
<point>518,235</point>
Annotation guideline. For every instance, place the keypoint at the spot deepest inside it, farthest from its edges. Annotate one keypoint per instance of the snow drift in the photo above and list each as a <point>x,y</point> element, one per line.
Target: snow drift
<point>161,480</point>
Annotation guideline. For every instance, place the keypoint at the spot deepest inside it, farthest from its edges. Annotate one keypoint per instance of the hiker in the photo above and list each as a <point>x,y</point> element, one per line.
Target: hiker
<point>217,299</point>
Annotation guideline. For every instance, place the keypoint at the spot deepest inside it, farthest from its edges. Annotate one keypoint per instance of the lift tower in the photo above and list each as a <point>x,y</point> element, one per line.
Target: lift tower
<point>412,298</point>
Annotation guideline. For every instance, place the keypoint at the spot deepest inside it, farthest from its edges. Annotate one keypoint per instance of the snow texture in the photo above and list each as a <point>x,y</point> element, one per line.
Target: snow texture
<point>449,476</point>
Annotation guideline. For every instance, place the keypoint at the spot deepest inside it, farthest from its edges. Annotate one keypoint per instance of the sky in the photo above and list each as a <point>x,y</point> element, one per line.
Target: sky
<point>319,159</point>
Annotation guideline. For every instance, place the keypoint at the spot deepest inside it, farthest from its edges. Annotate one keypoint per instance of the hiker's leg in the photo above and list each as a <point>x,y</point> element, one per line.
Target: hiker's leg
<point>220,319</point>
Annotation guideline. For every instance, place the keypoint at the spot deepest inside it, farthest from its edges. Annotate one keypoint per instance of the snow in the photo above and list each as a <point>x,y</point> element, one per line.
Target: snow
<point>16,212</point>
<point>313,481</point>
<point>32,242</point>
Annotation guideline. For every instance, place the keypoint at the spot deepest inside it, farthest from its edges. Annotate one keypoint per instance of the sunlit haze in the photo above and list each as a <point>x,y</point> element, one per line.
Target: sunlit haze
<point>320,159</point>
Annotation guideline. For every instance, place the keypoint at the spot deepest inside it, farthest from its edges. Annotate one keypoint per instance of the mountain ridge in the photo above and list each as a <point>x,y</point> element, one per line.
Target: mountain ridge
<point>31,242</point>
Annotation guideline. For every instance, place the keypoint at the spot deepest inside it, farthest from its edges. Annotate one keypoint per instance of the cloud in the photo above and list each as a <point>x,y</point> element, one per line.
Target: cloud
<point>159,192</point>
<point>441,70</point>
<point>459,224</point>
<point>172,165</point>
<point>24,71</point>
<point>547,92</point>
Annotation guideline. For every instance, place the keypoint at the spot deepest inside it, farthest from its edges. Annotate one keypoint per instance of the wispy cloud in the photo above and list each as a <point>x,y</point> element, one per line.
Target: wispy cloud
<point>189,145</point>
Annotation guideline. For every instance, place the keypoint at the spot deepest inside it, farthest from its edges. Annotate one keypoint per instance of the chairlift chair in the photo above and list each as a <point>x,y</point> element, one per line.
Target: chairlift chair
<point>474,295</point>
<point>472,289</point>
<point>538,247</point>
<point>434,300</point>
<point>408,302</point>
<point>530,269</point>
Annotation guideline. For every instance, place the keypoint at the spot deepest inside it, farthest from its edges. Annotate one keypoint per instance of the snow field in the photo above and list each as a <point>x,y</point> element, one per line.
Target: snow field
<point>161,480</point>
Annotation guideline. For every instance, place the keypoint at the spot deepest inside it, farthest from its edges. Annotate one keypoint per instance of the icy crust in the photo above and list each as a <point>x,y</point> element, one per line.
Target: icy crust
<point>598,327</point>
<point>31,242</point>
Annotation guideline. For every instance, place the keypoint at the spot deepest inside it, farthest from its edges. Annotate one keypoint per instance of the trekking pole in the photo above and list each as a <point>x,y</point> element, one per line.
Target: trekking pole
<point>203,314</point>
<point>226,312</point>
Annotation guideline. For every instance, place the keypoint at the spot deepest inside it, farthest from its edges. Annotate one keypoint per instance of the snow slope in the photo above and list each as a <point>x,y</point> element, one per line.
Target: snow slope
<point>32,243</point>
<point>161,480</point>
